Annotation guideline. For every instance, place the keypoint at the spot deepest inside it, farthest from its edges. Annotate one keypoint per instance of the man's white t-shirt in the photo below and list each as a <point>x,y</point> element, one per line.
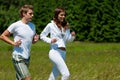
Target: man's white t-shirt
<point>25,33</point>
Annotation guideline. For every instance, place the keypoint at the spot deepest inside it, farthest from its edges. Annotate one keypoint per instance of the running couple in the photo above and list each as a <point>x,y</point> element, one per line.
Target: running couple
<point>24,35</point>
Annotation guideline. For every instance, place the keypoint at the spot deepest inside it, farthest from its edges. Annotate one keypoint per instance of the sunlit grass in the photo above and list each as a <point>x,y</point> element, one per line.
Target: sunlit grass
<point>85,60</point>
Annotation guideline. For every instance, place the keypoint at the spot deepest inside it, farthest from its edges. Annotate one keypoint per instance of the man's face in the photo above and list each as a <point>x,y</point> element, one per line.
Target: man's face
<point>28,16</point>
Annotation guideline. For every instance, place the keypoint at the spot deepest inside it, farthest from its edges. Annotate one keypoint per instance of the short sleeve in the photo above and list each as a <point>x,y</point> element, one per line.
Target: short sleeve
<point>11,28</point>
<point>32,26</point>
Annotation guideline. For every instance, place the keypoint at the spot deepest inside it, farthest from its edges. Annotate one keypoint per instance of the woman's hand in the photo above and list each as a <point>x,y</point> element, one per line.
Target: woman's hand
<point>73,33</point>
<point>53,40</point>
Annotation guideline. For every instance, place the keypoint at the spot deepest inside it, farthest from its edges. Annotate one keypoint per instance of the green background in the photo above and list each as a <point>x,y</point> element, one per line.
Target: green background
<point>92,20</point>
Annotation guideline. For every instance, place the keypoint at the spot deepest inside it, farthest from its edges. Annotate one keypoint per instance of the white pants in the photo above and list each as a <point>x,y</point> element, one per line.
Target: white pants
<point>58,58</point>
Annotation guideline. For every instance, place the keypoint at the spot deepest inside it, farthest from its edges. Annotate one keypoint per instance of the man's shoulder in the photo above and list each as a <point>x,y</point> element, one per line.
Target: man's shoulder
<point>31,24</point>
<point>16,23</point>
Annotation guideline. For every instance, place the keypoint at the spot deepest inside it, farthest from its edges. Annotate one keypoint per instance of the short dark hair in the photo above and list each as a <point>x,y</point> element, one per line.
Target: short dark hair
<point>24,9</point>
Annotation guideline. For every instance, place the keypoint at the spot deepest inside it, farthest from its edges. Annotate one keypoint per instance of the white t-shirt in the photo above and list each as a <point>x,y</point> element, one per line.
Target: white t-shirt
<point>25,33</point>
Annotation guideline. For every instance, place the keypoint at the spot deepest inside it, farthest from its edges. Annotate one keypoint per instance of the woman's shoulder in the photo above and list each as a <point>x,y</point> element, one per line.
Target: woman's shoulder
<point>50,24</point>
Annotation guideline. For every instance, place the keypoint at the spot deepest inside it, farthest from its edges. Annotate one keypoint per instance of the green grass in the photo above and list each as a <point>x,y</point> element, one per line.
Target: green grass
<point>85,60</point>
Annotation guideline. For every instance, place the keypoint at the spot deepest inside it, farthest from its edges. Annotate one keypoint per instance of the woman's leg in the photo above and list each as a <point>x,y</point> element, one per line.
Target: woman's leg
<point>58,57</point>
<point>54,74</point>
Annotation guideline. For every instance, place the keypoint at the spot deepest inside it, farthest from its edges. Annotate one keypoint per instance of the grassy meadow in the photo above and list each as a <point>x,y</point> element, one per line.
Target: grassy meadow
<point>85,60</point>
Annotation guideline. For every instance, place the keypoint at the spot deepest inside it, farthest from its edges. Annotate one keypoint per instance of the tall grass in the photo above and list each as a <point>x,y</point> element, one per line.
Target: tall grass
<point>85,60</point>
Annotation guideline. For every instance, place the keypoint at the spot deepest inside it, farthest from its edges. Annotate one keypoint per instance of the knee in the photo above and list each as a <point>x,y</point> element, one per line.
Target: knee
<point>27,78</point>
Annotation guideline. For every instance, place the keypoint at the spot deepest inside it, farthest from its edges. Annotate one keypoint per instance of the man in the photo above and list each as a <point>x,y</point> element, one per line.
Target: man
<point>24,35</point>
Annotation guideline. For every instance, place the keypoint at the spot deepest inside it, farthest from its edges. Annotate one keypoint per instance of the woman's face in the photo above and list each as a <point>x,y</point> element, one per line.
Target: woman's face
<point>61,16</point>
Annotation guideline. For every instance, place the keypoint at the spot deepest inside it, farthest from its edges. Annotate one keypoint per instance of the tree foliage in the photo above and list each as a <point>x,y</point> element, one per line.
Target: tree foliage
<point>92,20</point>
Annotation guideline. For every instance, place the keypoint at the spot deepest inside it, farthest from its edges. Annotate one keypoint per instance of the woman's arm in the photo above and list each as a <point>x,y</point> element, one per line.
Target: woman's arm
<point>44,34</point>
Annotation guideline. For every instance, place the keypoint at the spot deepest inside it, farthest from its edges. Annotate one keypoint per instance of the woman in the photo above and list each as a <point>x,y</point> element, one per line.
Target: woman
<point>60,34</point>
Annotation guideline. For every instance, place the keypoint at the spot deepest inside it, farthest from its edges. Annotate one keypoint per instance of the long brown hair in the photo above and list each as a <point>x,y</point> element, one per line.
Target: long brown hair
<point>56,13</point>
